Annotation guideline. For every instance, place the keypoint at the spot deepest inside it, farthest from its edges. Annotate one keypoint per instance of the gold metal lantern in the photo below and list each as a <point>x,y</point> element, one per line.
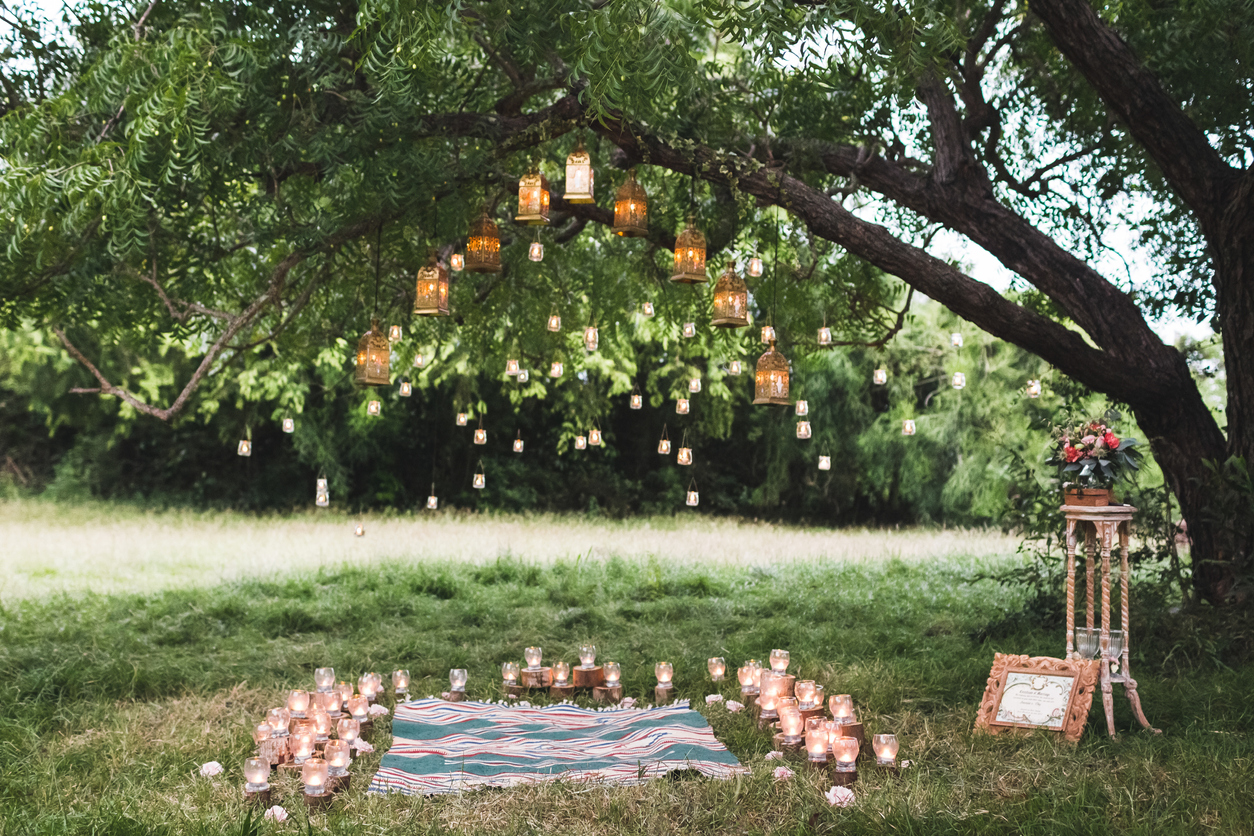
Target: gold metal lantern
<point>771,378</point>
<point>374,357</point>
<point>690,255</point>
<point>483,246</point>
<point>533,199</point>
<point>631,209</point>
<point>731,300</point>
<point>579,176</point>
<point>431,288</point>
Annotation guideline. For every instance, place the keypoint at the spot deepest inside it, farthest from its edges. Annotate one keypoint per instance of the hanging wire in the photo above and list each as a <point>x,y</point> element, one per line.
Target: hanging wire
<point>378,244</point>
<point>775,274</point>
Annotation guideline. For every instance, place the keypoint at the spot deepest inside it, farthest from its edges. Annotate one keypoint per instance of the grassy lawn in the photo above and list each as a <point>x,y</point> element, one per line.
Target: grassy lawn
<point>110,701</point>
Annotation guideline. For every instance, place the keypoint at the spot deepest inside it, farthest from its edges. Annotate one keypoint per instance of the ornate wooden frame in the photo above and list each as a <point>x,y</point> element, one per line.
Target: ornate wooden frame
<point>1085,672</point>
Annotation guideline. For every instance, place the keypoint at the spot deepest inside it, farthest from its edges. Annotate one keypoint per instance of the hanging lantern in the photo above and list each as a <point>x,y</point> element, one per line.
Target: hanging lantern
<point>433,501</point>
<point>755,266</point>
<point>803,408</point>
<point>518,443</point>
<point>483,246</point>
<point>803,429</point>
<point>511,368</point>
<point>690,255</point>
<point>374,357</point>
<point>960,380</point>
<point>664,446</point>
<point>690,329</point>
<point>590,338</point>
<point>734,368</point>
<point>374,408</point>
<point>245,448</point>
<point>480,481</point>
<point>420,361</point>
<point>879,377</point>
<point>461,419</point>
<point>359,531</point>
<point>322,499</point>
<point>647,309</point>
<point>524,376</point>
<point>289,424</point>
<point>825,462</point>
<point>431,289</point>
<point>457,261</point>
<point>556,369</point>
<point>533,200</point>
<point>581,442</point>
<point>955,339</point>
<point>771,379</point>
<point>685,455</point>
<point>694,498</point>
<point>1034,388</point>
<point>394,334</point>
<point>637,400</point>
<point>481,435</point>
<point>768,334</point>
<point>579,176</point>
<point>555,323</point>
<point>731,300</point>
<point>694,385</point>
<point>631,209</point>
<point>907,427</point>
<point>407,388</point>
<point>681,406</point>
<point>594,437</point>
<point>321,484</point>
<point>825,336</point>
<point>536,251</point>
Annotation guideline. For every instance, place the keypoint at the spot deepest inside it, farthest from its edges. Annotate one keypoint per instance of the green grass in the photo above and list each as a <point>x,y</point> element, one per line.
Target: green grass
<point>109,703</point>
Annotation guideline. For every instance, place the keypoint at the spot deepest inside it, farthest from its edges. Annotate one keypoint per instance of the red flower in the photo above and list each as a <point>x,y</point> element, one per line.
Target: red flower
<point>1070,453</point>
<point>1111,440</point>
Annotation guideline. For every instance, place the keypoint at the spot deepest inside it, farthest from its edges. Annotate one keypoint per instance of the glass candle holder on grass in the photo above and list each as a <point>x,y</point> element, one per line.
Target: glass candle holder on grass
<point>509,672</point>
<point>841,707</point>
<point>298,703</point>
<point>717,667</point>
<point>256,775</point>
<point>331,703</point>
<point>321,722</point>
<point>457,679</point>
<point>302,746</point>
<point>817,742</point>
<point>346,691</point>
<point>779,661</point>
<point>533,656</point>
<point>845,749</point>
<point>791,723</point>
<point>665,672</point>
<point>805,693</point>
<point>744,673</point>
<point>358,706</point>
<point>336,754</point>
<point>561,673</point>
<point>324,678</point>
<point>366,686</point>
<point>400,682</point>
<point>885,746</point>
<point>262,732</point>
<point>613,673</point>
<point>587,656</point>
<point>278,719</point>
<point>313,774</point>
<point>348,730</point>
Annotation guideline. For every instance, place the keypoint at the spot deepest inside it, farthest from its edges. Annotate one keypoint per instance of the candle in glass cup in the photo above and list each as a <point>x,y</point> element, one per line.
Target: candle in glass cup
<point>321,721</point>
<point>279,719</point>
<point>533,656</point>
<point>805,693</point>
<point>768,697</point>
<point>336,754</point>
<point>885,746</point>
<point>298,703</point>
<point>400,682</point>
<point>302,746</point>
<point>509,672</point>
<point>346,690</point>
<point>330,702</point>
<point>561,673</point>
<point>587,656</point>
<point>313,773</point>
<point>745,674</point>
<point>846,751</point>
<point>791,723</point>
<point>612,673</point>
<point>841,707</point>
<point>348,730</point>
<point>324,679</point>
<point>817,742</point>
<point>779,660</point>
<point>365,686</point>
<point>665,672</point>
<point>256,774</point>
<point>457,679</point>
<point>302,727</point>
<point>717,667</point>
<point>358,706</point>
<point>262,732</point>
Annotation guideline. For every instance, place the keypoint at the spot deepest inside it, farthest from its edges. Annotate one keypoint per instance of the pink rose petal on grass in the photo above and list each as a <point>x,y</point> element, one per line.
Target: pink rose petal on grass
<point>774,756</point>
<point>713,698</point>
<point>839,796</point>
<point>276,813</point>
<point>362,746</point>
<point>377,710</point>
<point>210,769</point>
<point>783,773</point>
<point>734,706</point>
<point>627,702</point>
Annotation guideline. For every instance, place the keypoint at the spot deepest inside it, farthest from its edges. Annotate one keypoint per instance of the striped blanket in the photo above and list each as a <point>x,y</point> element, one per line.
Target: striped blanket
<point>446,747</point>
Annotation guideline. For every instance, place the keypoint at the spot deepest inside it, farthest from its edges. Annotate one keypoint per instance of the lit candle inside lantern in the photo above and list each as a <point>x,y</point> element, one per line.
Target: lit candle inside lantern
<point>664,446</point>
<point>791,723</point>
<point>330,702</point>
<point>717,667</point>
<point>955,339</point>
<point>804,690</point>
<point>358,706</point>
<point>1034,388</point>
<point>245,448</point>
<point>681,406</point>
<point>802,408</point>
<point>313,773</point>
<point>846,751</point>
<point>458,262</point>
<point>360,530</point>
<point>533,656</point>
<point>433,503</point>
<point>768,699</point>
<point>684,456</point>
<point>768,334</point>
<point>803,429</point>
<point>590,340</point>
<point>478,482</point>
<point>841,707</point>
<point>374,408</point>
<point>879,377</point>
<point>461,419</point>
<point>256,774</point>
<point>407,389</point>
<point>960,380</point>
<point>289,425</point>
<point>587,656</point>
<point>694,498</point>
<point>745,674</point>
<point>324,678</point>
<point>420,360</point>
<point>555,323</point>
<point>594,437</point>
<point>637,401</point>
<point>556,369</point>
<point>665,672</point>
<point>694,385</point>
<point>825,462</point>
<point>885,746</point>
<point>262,732</point>
<point>825,336</point>
<point>561,673</point>
<point>346,691</point>
<point>302,746</point>
<point>647,310</point>
<point>481,436</point>
<point>518,445</point>
<point>779,660</point>
<point>524,376</point>
<point>690,329</point>
<point>298,703</point>
<point>734,368</point>
<point>321,721</point>
<point>366,686</point>
<point>278,720</point>
<point>536,251</point>
<point>336,754</point>
<point>400,682</point>
<point>816,740</point>
<point>511,367</point>
<point>907,427</point>
<point>348,730</point>
<point>394,333</point>
<point>509,672</point>
<point>612,673</point>
<point>457,679</point>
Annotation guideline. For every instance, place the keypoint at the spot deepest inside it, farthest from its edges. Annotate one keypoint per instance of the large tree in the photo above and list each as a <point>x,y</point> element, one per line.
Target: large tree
<point>231,177</point>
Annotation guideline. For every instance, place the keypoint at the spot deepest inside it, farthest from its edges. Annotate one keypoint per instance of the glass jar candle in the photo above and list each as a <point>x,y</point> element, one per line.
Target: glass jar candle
<point>533,656</point>
<point>358,706</point>
<point>324,678</point>
<point>279,719</point>
<point>845,749</point>
<point>665,672</point>
<point>779,660</point>
<point>262,732</point>
<point>321,722</point>
<point>509,672</point>
<point>841,707</point>
<point>612,673</point>
<point>885,746</point>
<point>768,698</point>
<point>313,774</point>
<point>457,679</point>
<point>817,742</point>
<point>256,774</point>
<point>336,754</point>
<point>400,682</point>
<point>298,703</point>
<point>330,702</point>
<point>302,746</point>
<point>817,702</point>
<point>717,667</point>
<point>346,691</point>
<point>348,730</point>
<point>804,689</point>
<point>587,656</point>
<point>561,673</point>
<point>365,686</point>
<point>745,674</point>
<point>791,723</point>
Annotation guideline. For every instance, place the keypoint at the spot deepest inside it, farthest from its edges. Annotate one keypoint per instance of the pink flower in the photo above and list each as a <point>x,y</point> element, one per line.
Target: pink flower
<point>362,746</point>
<point>783,773</point>
<point>377,710</point>
<point>734,706</point>
<point>1089,440</point>
<point>713,698</point>
<point>774,756</point>
<point>1111,440</point>
<point>839,796</point>
<point>627,702</point>
<point>208,770</point>
<point>276,813</point>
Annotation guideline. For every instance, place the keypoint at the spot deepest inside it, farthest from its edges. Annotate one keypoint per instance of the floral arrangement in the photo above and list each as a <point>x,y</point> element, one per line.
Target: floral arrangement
<point>1090,455</point>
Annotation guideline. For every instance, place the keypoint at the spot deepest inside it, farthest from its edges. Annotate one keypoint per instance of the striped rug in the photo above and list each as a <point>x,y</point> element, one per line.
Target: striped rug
<point>447,747</point>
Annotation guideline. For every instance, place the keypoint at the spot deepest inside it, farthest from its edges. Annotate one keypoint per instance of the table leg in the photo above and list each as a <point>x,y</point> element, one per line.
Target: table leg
<point>1090,549</point>
<point>1071,544</point>
<point>1129,688</point>
<point>1108,697</point>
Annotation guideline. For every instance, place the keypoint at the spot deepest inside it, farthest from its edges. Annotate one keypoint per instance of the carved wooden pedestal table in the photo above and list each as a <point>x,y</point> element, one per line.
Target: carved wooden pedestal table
<point>1102,527</point>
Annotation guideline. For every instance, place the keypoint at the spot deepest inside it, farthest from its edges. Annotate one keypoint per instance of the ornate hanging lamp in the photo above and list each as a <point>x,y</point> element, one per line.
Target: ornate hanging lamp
<point>431,288</point>
<point>771,378</point>
<point>690,255</point>
<point>734,368</point>
<point>631,209</point>
<point>533,200</point>
<point>731,300</point>
<point>579,176</point>
<point>483,246</point>
<point>374,357</point>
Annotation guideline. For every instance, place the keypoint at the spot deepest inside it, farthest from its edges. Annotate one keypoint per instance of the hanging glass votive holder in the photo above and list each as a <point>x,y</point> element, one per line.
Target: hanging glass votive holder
<point>420,360</point>
<point>322,499</point>
<point>825,336</point>
<point>689,255</point>
<point>590,339</point>
<point>685,455</point>
<point>518,443</point>
<point>803,429</point>
<point>681,406</point>
<point>955,339</point>
<point>879,377</point>
<point>825,462</point>
<point>536,251</point>
<point>755,266</point>
<point>694,385</point>
<point>433,501</point>
<point>457,261</point>
<point>407,389</point>
<point>1034,389</point>
<point>907,427</point>
<point>556,369</point>
<point>555,323</point>
<point>461,419</point>
<point>374,408</point>
<point>768,334</point>
<point>594,437</point>
<point>664,445</point>
<point>394,334</point>
<point>689,329</point>
<point>580,176</point>
<point>533,199</point>
<point>802,408</point>
<point>245,447</point>
<point>480,480</point>
<point>734,368</point>
<point>631,209</point>
<point>959,380</point>
<point>481,435</point>
<point>694,498</point>
<point>637,401</point>
<point>359,530</point>
<point>581,442</point>
<point>511,368</point>
<point>289,425</point>
<point>647,309</point>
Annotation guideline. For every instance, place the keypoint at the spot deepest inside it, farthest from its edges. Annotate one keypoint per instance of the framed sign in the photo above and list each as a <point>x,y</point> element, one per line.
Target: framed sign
<point>1038,692</point>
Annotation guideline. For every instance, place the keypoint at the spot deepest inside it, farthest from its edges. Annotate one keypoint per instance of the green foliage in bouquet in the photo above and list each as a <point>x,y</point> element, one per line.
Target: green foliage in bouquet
<point>1089,455</point>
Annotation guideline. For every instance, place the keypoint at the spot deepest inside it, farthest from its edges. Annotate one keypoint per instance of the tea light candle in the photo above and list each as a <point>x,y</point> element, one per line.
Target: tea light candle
<point>846,751</point>
<point>348,730</point>
<point>804,690</point>
<point>665,672</point>
<point>690,329</point>
<point>509,672</point>
<point>457,262</point>
<point>717,667</point>
<point>532,655</point>
<point>313,773</point>
<point>330,702</point>
<point>817,700</point>
<point>279,719</point>
<point>647,309</point>
<point>841,707</point>
<point>779,661</point>
<point>298,703</point>
<point>561,673</point>
<point>791,723</point>
<point>885,746</point>
<point>587,656</point>
<point>612,673</point>
<point>336,754</point>
<point>256,775</point>
<point>400,682</point>
<point>816,739</point>
<point>358,706</point>
<point>366,686</point>
<point>768,700</point>
<point>745,674</point>
<point>262,732</point>
<point>457,679</point>
<point>321,722</point>
<point>556,369</point>
<point>302,746</point>
<point>346,691</point>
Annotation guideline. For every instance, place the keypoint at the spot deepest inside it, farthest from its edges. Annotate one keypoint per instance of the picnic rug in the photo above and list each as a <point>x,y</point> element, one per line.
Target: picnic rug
<point>447,747</point>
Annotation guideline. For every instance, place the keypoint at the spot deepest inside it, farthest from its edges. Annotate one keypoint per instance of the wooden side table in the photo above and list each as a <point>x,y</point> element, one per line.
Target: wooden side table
<point>1103,525</point>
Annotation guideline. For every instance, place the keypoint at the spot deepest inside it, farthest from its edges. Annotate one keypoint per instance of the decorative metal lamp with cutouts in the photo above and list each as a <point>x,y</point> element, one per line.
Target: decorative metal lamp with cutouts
<point>374,358</point>
<point>771,378</point>
<point>690,255</point>
<point>731,300</point>
<point>533,199</point>
<point>579,176</point>
<point>631,209</point>
<point>431,288</point>
<point>483,246</point>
